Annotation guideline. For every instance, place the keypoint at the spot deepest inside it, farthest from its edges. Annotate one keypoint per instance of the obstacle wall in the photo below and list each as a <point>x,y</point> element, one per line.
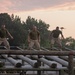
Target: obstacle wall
<point>39,61</point>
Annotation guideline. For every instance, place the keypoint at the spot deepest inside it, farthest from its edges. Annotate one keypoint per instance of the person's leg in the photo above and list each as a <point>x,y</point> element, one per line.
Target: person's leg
<point>6,43</point>
<point>59,43</point>
<point>37,44</point>
<point>31,44</point>
<point>52,42</point>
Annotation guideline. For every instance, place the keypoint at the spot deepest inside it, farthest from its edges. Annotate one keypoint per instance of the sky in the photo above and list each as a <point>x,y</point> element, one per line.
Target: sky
<point>53,12</point>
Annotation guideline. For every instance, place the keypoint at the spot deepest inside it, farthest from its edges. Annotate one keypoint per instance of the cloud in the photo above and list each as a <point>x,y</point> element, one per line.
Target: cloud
<point>65,6</point>
<point>29,5</point>
<point>4,5</point>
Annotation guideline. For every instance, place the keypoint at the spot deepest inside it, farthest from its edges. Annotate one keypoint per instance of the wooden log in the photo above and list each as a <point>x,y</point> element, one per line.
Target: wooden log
<point>62,61</point>
<point>14,48</point>
<point>64,57</point>
<point>29,52</point>
<point>32,69</point>
<point>55,58</point>
<point>68,49</point>
<point>13,61</point>
<point>45,61</point>
<point>27,66</point>
<point>28,60</point>
<point>1,64</point>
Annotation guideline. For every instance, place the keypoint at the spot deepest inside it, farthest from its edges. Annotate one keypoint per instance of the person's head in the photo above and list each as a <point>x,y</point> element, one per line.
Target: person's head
<point>57,28</point>
<point>34,28</point>
<point>3,26</point>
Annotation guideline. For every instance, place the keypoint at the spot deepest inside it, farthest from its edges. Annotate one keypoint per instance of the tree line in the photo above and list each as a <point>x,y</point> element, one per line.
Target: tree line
<point>20,29</point>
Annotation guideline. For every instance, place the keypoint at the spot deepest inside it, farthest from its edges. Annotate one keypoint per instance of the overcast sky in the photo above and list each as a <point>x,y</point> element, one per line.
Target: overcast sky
<point>54,12</point>
<point>29,5</point>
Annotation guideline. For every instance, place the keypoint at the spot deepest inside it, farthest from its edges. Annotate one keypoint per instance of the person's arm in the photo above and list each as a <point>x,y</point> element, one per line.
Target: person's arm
<point>38,36</point>
<point>9,34</point>
<point>29,38</point>
<point>62,35</point>
<point>51,35</point>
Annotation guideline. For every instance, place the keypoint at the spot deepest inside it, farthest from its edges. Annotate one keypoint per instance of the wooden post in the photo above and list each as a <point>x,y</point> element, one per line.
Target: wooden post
<point>70,65</point>
<point>39,62</point>
<point>61,72</point>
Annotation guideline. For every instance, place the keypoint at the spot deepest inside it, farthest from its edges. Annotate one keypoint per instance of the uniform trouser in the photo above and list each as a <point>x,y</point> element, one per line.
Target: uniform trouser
<point>5,42</point>
<point>34,42</point>
<point>57,40</point>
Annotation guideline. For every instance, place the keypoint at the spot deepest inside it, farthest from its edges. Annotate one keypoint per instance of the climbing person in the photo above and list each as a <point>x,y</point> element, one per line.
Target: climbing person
<point>55,37</point>
<point>3,36</point>
<point>34,38</point>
